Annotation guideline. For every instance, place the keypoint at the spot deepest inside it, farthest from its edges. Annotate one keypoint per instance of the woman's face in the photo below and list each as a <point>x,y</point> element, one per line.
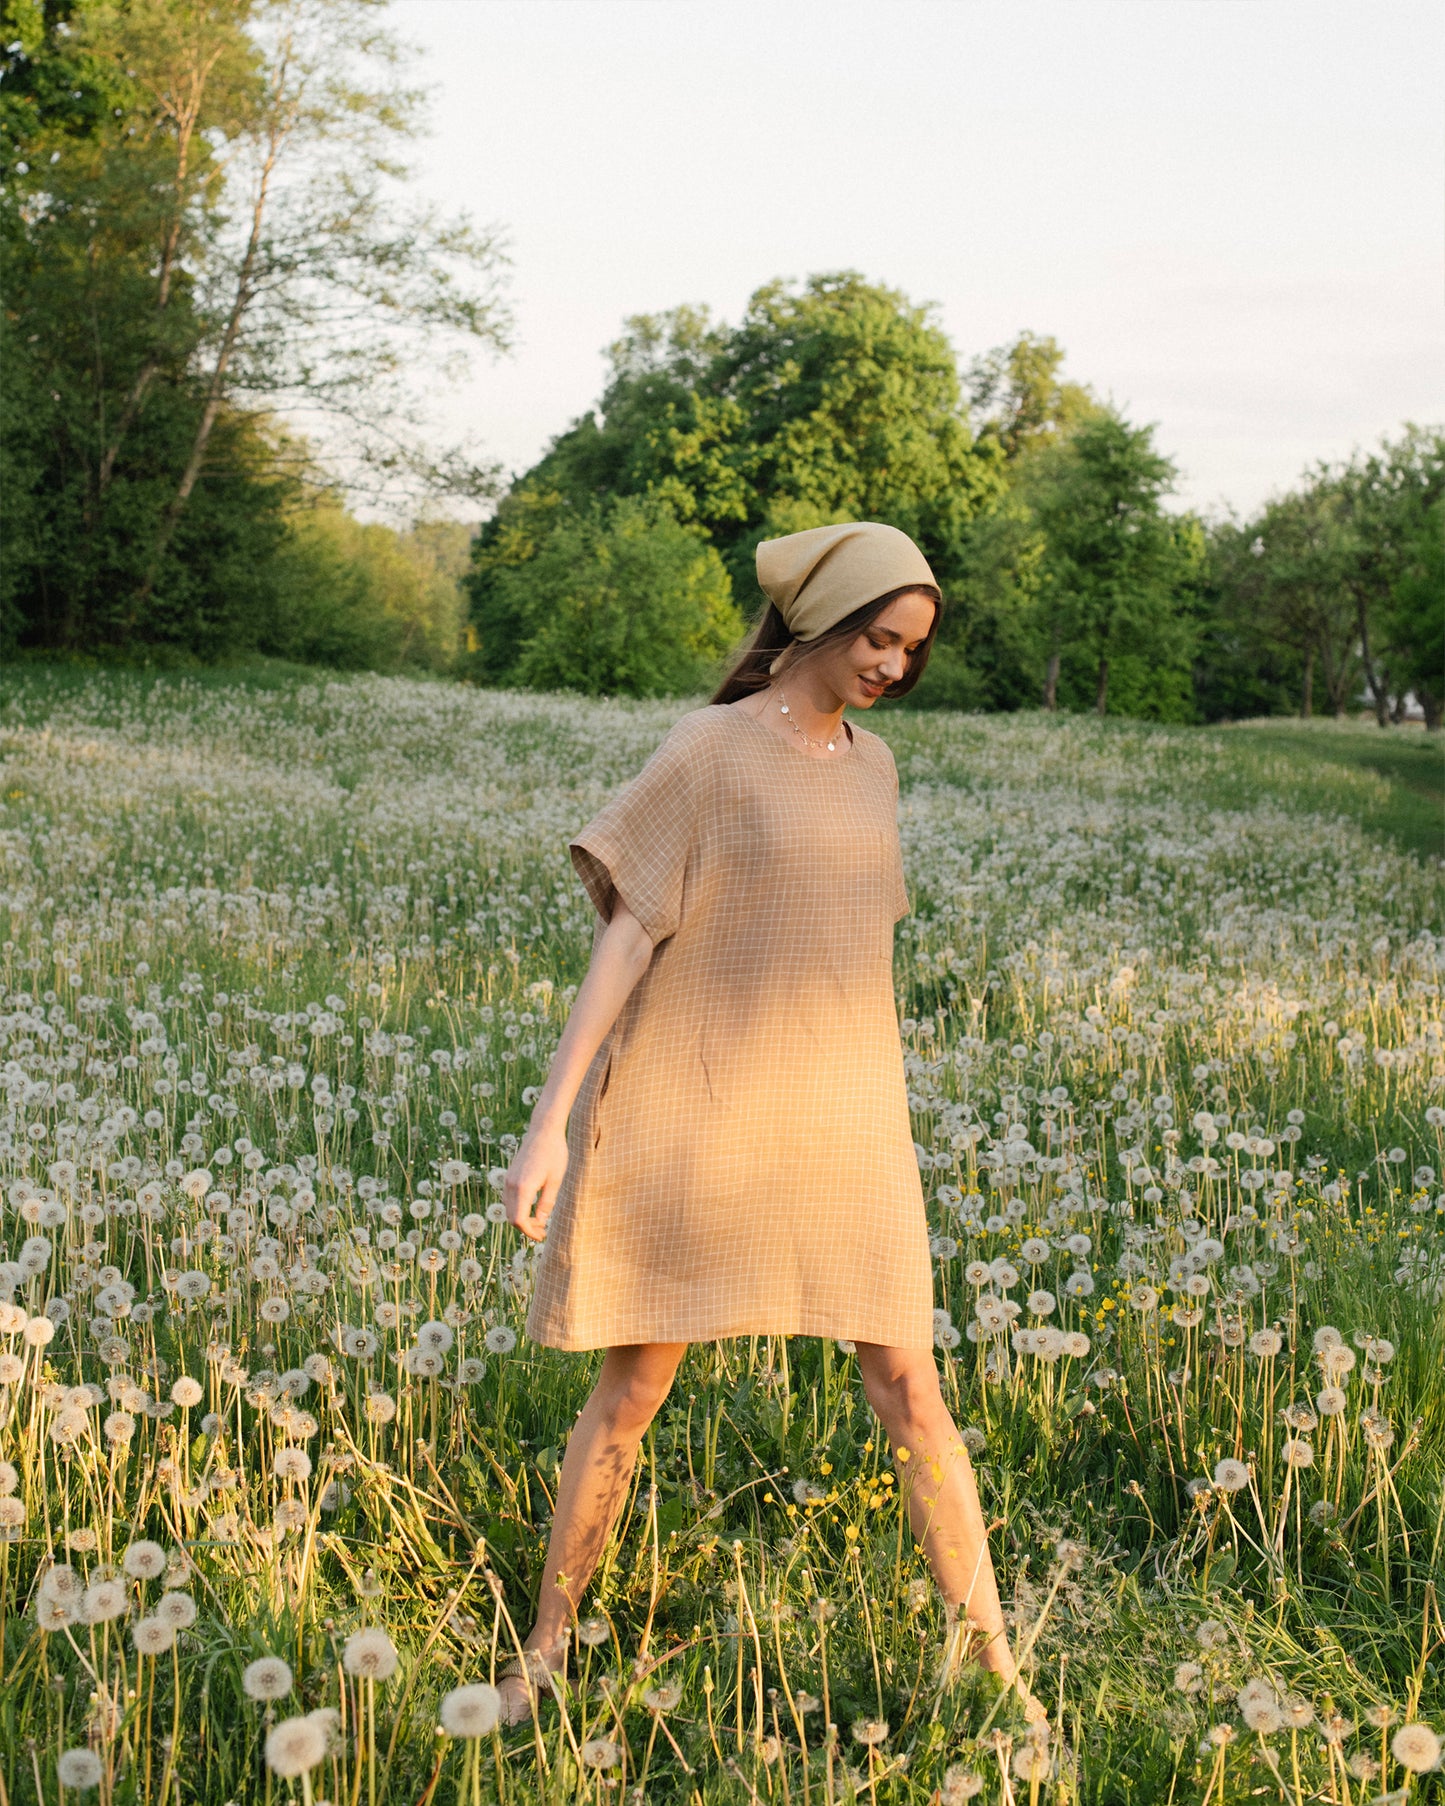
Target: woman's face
<point>859,673</point>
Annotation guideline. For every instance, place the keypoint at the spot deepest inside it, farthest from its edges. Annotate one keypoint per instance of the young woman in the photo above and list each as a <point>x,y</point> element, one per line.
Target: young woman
<point>722,1146</point>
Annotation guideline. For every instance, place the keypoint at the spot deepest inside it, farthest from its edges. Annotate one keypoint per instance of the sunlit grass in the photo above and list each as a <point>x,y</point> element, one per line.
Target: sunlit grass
<point>280,962</point>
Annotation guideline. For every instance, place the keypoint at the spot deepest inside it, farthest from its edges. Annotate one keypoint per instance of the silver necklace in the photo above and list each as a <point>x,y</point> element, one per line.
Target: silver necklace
<point>807,738</point>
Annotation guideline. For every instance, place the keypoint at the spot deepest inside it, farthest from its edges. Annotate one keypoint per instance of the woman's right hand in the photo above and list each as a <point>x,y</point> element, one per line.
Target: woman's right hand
<point>533,1180</point>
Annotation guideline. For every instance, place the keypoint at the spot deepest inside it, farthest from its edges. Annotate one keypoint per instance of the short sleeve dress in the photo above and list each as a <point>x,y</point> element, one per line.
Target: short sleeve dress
<point>740,1157</point>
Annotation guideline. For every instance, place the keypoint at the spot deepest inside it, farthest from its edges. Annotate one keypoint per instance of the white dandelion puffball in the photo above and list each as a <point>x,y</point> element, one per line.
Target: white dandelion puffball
<point>501,1340</point>
<point>186,1392</point>
<point>152,1636</point>
<point>599,1752</point>
<point>178,1610</point>
<point>292,1464</point>
<point>471,1711</point>
<point>1298,1452</point>
<point>1416,1747</point>
<point>1231,1475</point>
<point>80,1769</point>
<point>104,1600</point>
<point>144,1561</point>
<point>268,1677</point>
<point>295,1746</point>
<point>370,1654</point>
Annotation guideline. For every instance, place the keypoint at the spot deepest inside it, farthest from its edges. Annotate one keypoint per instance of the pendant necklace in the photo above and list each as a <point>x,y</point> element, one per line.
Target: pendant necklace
<point>807,738</point>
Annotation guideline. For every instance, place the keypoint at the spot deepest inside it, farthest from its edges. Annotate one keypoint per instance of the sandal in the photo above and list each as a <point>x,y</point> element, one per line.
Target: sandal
<point>538,1680</point>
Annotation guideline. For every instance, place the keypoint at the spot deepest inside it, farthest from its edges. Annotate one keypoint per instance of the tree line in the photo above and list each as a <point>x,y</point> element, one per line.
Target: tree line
<point>216,288</point>
<point>623,560</point>
<point>206,232</point>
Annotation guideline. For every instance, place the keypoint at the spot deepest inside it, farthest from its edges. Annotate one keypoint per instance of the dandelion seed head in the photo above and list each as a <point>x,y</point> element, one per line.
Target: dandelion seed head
<point>370,1654</point>
<point>295,1746</point>
<point>267,1678</point>
<point>1416,1747</point>
<point>471,1711</point>
<point>79,1768</point>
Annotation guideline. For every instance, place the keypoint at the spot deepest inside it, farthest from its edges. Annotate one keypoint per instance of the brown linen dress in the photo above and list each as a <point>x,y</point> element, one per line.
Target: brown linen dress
<point>740,1158</point>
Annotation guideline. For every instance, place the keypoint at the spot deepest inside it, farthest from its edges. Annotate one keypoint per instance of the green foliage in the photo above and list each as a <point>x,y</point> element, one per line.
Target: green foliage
<point>366,596</point>
<point>151,296</point>
<point>838,400</point>
<point>616,597</point>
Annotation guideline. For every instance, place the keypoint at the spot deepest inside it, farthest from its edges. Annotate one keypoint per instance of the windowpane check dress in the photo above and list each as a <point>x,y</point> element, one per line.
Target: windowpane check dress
<point>740,1157</point>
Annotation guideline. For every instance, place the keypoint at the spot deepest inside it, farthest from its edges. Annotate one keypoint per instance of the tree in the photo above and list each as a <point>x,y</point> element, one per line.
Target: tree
<point>1390,504</point>
<point>1113,561</point>
<point>615,598</point>
<point>209,226</point>
<point>834,401</point>
<point>1018,399</point>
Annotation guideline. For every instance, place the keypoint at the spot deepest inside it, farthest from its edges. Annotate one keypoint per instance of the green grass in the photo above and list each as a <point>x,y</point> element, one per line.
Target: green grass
<point>1391,781</point>
<point>1189,967</point>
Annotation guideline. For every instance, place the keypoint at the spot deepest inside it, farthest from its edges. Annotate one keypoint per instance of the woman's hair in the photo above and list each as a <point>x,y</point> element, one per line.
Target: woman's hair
<point>750,671</point>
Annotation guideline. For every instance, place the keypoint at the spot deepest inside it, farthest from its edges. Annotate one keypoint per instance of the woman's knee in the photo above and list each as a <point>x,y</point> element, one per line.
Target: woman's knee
<point>900,1382</point>
<point>635,1380</point>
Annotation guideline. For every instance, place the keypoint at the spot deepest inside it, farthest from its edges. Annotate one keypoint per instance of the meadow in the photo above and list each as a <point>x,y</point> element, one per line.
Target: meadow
<point>281,964</point>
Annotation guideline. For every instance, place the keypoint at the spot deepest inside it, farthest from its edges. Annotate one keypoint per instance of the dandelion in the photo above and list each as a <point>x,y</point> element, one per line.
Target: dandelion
<point>1189,1677</point>
<point>104,1600</point>
<point>1298,1452</point>
<point>662,1699</point>
<point>1231,1475</point>
<point>79,1768</point>
<point>152,1636</point>
<point>295,1746</point>
<point>292,1464</point>
<point>1259,1705</point>
<point>267,1678</point>
<point>1416,1747</point>
<point>176,1609</point>
<point>186,1392</point>
<point>471,1711</point>
<point>600,1752</point>
<point>1265,1343</point>
<point>144,1561</point>
<point>593,1632</point>
<point>960,1784</point>
<point>1330,1401</point>
<point>370,1654</point>
<point>501,1340</point>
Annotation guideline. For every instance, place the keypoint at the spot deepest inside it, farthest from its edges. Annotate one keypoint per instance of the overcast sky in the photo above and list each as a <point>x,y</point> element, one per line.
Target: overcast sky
<point>1228,212</point>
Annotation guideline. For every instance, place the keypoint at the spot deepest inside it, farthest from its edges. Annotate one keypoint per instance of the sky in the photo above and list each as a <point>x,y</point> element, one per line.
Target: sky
<point>1227,212</point>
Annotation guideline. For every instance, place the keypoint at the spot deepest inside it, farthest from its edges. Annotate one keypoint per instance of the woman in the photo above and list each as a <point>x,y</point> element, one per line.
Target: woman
<point>722,1147</point>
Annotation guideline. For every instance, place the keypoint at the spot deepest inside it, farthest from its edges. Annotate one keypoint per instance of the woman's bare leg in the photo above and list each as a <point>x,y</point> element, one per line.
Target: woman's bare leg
<point>936,1478</point>
<point>597,1470</point>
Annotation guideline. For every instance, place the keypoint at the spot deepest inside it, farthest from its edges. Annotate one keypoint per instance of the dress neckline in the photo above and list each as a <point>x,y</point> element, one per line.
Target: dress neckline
<point>793,751</point>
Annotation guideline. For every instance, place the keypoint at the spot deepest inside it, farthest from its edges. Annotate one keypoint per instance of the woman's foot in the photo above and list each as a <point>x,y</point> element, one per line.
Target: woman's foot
<point>520,1693</point>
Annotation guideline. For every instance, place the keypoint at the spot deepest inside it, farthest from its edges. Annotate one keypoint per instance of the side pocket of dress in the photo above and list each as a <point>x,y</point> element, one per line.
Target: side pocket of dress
<point>597,1102</point>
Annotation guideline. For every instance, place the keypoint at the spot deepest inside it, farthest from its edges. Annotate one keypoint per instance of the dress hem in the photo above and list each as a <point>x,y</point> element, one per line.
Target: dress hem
<point>580,1342</point>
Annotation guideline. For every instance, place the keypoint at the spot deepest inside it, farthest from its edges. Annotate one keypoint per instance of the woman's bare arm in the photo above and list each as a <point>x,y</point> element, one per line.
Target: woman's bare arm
<point>619,959</point>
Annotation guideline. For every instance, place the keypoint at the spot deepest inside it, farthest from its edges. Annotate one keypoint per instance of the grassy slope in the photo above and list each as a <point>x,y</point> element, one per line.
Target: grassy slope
<point>1069,832</point>
<point>1392,782</point>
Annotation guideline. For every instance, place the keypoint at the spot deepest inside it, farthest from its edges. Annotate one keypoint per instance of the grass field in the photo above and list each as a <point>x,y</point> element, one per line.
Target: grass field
<point>280,961</point>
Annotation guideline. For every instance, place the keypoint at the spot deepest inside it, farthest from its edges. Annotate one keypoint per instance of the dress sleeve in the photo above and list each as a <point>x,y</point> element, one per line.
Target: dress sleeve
<point>637,846</point>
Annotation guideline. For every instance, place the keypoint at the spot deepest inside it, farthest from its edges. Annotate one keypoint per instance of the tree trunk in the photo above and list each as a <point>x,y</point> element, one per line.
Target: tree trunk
<point>216,389</point>
<point>1307,701</point>
<point>1432,706</point>
<point>1101,697</point>
<point>1379,696</point>
<point>1051,676</point>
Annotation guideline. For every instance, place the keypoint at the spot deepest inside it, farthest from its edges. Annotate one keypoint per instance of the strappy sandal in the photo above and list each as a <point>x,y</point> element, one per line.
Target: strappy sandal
<point>540,1680</point>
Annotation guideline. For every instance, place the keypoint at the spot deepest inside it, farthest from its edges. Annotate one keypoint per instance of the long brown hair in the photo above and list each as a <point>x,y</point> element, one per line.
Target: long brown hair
<point>750,673</point>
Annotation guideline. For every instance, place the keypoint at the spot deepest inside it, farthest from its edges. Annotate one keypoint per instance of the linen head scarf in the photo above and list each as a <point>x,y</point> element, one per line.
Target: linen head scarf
<point>815,578</point>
